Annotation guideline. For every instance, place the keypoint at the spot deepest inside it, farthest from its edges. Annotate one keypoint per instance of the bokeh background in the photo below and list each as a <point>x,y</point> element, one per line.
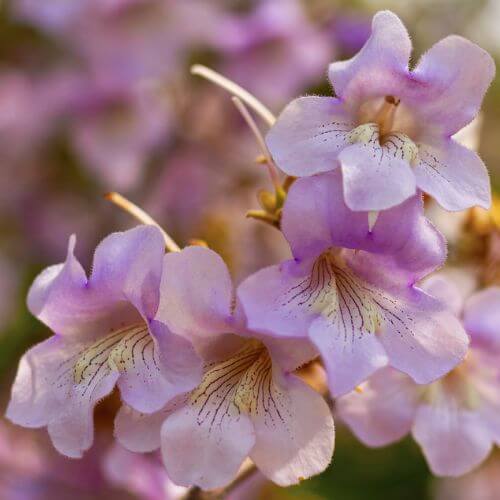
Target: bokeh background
<point>96,96</point>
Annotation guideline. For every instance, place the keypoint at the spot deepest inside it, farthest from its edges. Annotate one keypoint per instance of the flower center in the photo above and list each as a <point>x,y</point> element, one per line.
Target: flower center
<point>117,351</point>
<point>243,380</point>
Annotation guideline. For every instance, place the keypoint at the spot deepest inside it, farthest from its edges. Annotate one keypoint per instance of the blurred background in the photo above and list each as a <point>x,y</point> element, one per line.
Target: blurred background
<point>96,96</point>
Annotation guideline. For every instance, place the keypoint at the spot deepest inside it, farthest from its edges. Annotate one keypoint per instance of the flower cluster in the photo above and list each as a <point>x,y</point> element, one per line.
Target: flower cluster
<point>207,371</point>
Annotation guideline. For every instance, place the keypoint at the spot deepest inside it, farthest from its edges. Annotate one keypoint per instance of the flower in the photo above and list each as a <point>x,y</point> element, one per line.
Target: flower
<point>140,474</point>
<point>247,404</point>
<point>105,334</point>
<point>456,419</point>
<point>388,128</point>
<point>352,291</point>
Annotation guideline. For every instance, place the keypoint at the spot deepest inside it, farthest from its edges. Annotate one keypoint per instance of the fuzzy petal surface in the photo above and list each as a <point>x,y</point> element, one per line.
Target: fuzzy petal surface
<point>309,134</point>
<point>294,434</point>
<point>453,175</point>
<point>383,410</point>
<point>454,440</point>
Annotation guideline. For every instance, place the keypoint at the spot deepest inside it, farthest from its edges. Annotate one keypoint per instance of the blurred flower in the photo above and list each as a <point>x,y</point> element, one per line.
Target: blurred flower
<point>400,120</point>
<point>273,50</point>
<point>140,474</point>
<point>456,420</point>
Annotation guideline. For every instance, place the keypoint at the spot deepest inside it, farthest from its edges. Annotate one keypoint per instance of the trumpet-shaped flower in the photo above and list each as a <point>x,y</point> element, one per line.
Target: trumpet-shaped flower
<point>247,404</point>
<point>389,128</point>
<point>456,420</point>
<point>352,291</point>
<point>105,334</point>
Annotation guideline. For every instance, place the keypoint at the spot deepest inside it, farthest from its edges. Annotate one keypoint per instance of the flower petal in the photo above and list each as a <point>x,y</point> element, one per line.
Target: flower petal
<point>265,296</point>
<point>46,391</point>
<point>379,67</point>
<point>482,318</point>
<point>205,446</point>
<point>349,356</point>
<point>308,135</point>
<point>294,433</point>
<point>315,218</point>
<point>456,74</point>
<point>155,367</point>
<point>374,179</point>
<point>141,432</point>
<point>127,267</point>
<point>383,410</point>
<point>442,288</point>
<point>453,440</point>
<point>421,337</point>
<point>197,293</point>
<point>453,175</point>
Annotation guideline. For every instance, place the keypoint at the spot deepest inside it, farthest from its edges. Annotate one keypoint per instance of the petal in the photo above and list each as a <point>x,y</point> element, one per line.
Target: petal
<point>290,353</point>
<point>308,135</point>
<point>128,265</point>
<point>315,218</point>
<point>205,446</point>
<point>140,432</point>
<point>155,367</point>
<point>379,67</point>
<point>196,293</point>
<point>383,410</point>
<point>45,392</point>
<point>482,318</point>
<point>349,355</point>
<point>267,300</point>
<point>453,175</point>
<point>374,179</point>
<point>453,440</point>
<point>421,337</point>
<point>295,434</point>
<point>456,74</point>
<point>444,289</point>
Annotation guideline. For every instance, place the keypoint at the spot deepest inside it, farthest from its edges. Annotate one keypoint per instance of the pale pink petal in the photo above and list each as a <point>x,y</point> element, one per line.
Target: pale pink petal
<point>308,135</point>
<point>196,293</point>
<point>455,74</point>
<point>380,67</point>
<point>454,440</point>
<point>374,179</point>
<point>294,433</point>
<point>453,175</point>
<point>383,409</point>
<point>206,446</point>
<point>349,356</point>
<point>482,318</point>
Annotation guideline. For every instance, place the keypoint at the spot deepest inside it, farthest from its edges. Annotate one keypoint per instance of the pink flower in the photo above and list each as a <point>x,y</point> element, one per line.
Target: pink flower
<point>105,335</point>
<point>456,420</point>
<point>388,128</point>
<point>352,290</point>
<point>248,403</point>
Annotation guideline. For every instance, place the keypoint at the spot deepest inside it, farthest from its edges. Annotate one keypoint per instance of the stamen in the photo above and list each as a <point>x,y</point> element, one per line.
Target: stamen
<point>273,171</point>
<point>141,216</point>
<point>236,90</point>
<point>372,219</point>
<point>386,113</point>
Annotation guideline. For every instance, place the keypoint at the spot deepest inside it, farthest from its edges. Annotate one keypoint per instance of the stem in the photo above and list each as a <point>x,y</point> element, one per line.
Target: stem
<point>273,171</point>
<point>236,90</point>
<point>141,216</point>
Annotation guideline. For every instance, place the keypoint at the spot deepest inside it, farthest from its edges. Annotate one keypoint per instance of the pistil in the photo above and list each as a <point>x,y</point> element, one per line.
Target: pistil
<point>385,115</point>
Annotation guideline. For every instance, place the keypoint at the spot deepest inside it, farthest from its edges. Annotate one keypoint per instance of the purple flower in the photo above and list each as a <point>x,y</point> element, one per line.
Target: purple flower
<point>105,334</point>
<point>456,420</point>
<point>248,403</point>
<point>352,291</point>
<point>388,128</point>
